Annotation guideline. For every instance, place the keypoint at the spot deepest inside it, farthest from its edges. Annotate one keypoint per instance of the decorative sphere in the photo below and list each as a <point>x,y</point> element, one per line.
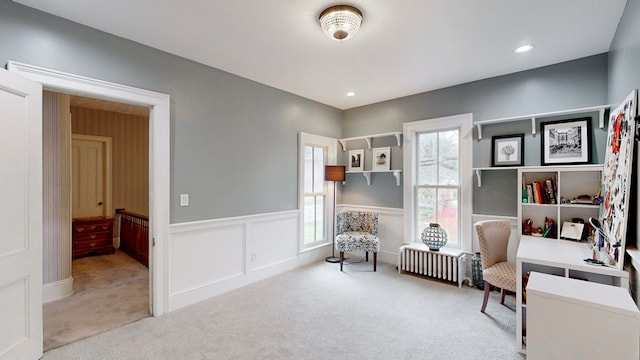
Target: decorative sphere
<point>434,237</point>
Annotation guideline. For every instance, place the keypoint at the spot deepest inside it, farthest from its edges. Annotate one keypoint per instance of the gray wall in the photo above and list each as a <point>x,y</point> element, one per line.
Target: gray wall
<point>233,141</point>
<point>569,85</point>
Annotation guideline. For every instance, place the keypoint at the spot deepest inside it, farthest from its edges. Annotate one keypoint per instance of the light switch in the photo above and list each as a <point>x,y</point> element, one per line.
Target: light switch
<point>184,199</point>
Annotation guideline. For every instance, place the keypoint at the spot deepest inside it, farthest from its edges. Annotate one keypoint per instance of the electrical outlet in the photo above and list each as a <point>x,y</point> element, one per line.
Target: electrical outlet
<point>253,257</point>
<point>184,199</point>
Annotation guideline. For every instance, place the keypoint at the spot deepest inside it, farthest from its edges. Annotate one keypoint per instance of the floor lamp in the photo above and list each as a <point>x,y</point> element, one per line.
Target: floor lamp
<point>334,173</point>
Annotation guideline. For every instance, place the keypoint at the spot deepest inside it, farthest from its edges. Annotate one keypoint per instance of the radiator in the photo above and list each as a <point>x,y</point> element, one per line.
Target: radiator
<point>444,264</point>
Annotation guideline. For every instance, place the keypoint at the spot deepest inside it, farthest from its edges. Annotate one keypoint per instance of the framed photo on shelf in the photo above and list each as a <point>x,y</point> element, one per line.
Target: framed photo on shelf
<point>381,159</point>
<point>356,160</point>
<point>507,150</point>
<point>566,142</point>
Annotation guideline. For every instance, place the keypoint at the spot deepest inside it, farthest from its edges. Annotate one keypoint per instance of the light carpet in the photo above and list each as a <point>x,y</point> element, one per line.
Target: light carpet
<point>318,312</point>
<point>110,291</point>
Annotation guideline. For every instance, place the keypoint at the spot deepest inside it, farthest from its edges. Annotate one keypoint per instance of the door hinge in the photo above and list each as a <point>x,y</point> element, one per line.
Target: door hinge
<point>153,242</point>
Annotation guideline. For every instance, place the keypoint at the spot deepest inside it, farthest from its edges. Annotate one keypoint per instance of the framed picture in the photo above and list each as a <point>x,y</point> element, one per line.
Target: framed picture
<point>356,160</point>
<point>381,159</point>
<point>507,150</point>
<point>566,142</point>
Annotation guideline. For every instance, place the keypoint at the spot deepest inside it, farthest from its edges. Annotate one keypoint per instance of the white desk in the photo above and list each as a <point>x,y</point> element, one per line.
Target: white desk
<point>574,319</point>
<point>557,257</point>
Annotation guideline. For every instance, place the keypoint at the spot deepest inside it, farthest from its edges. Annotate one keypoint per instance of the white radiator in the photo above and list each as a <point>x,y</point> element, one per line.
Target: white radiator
<point>443,264</point>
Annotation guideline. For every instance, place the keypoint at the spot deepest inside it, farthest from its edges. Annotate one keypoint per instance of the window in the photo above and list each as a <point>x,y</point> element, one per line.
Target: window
<point>316,199</point>
<point>438,178</point>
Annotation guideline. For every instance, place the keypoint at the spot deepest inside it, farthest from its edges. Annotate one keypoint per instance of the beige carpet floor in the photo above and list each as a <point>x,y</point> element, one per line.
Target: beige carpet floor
<point>110,291</point>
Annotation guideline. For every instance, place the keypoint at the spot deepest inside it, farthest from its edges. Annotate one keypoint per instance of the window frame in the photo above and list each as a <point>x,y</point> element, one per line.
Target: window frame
<point>464,123</point>
<point>331,146</point>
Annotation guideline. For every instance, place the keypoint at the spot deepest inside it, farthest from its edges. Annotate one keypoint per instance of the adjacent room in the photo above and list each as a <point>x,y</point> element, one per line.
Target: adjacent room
<point>311,180</point>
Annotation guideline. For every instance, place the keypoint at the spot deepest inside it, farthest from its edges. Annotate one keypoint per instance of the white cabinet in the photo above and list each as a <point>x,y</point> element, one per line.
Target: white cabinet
<point>566,183</point>
<point>574,319</point>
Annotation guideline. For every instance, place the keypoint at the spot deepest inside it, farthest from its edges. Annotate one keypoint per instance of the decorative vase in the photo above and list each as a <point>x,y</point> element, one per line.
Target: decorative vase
<point>476,271</point>
<point>434,237</point>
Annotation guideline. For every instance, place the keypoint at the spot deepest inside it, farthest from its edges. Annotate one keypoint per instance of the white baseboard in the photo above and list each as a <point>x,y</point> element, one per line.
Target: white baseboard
<point>57,290</point>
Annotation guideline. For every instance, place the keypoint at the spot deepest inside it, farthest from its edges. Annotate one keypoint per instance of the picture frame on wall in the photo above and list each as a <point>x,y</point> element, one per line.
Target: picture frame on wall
<point>356,160</point>
<point>381,159</point>
<point>566,142</point>
<point>507,150</point>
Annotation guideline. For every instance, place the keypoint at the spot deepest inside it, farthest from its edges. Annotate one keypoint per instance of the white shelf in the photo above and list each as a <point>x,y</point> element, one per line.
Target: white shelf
<point>367,175</point>
<point>368,138</point>
<point>532,117</point>
<point>479,171</point>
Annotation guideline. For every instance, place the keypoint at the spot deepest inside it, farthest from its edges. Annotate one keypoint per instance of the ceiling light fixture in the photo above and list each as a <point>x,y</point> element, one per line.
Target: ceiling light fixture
<point>340,22</point>
<point>523,49</point>
<point>351,93</point>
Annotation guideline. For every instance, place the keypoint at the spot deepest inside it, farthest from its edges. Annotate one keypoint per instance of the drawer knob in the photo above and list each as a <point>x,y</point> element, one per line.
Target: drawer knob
<point>105,227</point>
<point>80,229</point>
<point>92,236</point>
<point>92,244</point>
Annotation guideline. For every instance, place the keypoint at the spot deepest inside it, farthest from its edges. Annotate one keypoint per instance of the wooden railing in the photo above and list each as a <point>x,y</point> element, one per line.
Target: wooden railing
<point>134,235</point>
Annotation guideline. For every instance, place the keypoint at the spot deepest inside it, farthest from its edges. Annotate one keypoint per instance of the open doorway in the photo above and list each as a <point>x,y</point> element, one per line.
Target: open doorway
<point>109,163</point>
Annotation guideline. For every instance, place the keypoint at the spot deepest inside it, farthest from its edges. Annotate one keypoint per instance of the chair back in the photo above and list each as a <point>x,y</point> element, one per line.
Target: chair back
<point>493,236</point>
<point>357,221</point>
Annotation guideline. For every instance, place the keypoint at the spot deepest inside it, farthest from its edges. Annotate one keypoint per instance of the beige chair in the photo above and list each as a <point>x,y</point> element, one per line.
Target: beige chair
<point>493,236</point>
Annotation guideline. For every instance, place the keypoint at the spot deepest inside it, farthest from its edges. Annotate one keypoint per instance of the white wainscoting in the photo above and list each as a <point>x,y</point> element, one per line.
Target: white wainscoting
<point>514,239</point>
<point>390,230</point>
<point>211,257</point>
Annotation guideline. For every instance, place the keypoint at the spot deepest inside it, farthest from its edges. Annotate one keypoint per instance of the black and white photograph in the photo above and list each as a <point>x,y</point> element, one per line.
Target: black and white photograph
<point>381,159</point>
<point>356,160</point>
<point>507,150</point>
<point>566,142</point>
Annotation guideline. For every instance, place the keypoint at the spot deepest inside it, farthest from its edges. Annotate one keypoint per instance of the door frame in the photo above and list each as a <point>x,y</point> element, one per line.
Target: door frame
<point>159,159</point>
<point>108,168</point>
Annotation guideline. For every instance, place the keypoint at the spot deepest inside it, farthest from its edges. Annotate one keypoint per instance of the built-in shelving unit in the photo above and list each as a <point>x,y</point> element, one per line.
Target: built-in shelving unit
<point>532,117</point>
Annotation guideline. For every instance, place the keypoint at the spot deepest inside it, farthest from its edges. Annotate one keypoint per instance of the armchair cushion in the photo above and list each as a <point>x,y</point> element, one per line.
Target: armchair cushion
<point>357,240</point>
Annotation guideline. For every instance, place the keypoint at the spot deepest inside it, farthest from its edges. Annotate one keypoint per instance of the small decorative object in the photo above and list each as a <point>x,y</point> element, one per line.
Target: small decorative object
<point>566,142</point>
<point>476,271</point>
<point>381,159</point>
<point>356,160</point>
<point>507,150</point>
<point>434,237</point>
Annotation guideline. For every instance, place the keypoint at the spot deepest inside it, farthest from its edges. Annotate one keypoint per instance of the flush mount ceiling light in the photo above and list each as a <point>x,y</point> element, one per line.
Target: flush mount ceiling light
<point>340,22</point>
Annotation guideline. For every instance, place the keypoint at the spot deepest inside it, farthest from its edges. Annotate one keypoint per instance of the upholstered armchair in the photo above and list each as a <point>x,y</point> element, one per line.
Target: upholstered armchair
<point>357,230</point>
<point>493,236</point>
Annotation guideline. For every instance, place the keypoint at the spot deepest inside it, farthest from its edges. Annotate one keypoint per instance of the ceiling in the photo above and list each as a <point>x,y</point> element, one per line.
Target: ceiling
<point>404,47</point>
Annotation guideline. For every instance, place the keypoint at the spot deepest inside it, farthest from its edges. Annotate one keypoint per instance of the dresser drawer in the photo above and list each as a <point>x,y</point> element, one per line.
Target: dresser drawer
<point>88,228</point>
<point>91,244</point>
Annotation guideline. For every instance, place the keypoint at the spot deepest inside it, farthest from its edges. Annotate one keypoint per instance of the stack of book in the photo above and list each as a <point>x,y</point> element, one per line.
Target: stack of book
<point>540,192</point>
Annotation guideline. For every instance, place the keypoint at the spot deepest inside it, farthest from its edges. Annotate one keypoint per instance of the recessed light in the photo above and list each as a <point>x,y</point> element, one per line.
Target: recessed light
<point>523,49</point>
<point>351,93</point>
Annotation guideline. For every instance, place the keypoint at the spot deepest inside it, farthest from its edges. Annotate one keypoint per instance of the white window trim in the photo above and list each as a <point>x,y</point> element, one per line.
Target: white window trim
<point>306,139</point>
<point>463,122</point>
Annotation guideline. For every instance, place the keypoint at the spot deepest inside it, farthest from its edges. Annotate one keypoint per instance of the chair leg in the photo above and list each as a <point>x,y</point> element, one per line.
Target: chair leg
<point>502,292</point>
<point>487,289</point>
<point>341,259</point>
<point>366,256</point>
<point>375,260</point>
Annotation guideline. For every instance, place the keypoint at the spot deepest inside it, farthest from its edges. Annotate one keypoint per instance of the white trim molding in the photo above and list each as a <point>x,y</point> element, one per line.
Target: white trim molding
<point>159,153</point>
<point>463,122</point>
<point>57,290</point>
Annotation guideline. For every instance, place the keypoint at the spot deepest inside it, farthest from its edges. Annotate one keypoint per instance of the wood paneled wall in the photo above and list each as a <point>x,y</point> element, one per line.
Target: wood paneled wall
<point>56,146</point>
<point>130,141</point>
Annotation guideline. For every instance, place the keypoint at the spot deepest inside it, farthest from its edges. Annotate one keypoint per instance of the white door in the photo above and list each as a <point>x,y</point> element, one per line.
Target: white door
<point>91,174</point>
<point>21,218</point>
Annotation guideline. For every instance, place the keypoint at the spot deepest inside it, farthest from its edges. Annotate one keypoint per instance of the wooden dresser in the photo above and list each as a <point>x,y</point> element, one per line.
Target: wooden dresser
<point>92,235</point>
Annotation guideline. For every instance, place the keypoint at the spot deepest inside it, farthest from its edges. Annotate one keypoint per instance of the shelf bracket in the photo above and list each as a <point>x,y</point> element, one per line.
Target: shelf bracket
<point>344,144</point>
<point>396,173</point>
<point>601,118</point>
<point>479,127</point>
<point>398,139</point>
<point>368,141</point>
<point>367,175</point>
<point>533,125</point>
<point>479,176</point>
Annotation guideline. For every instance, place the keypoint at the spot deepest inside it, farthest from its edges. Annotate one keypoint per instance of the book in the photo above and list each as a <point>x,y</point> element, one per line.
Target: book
<point>549,190</point>
<point>530,193</point>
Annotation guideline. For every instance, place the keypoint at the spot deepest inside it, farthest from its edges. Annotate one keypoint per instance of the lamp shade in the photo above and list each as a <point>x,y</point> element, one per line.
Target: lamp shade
<point>334,173</point>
